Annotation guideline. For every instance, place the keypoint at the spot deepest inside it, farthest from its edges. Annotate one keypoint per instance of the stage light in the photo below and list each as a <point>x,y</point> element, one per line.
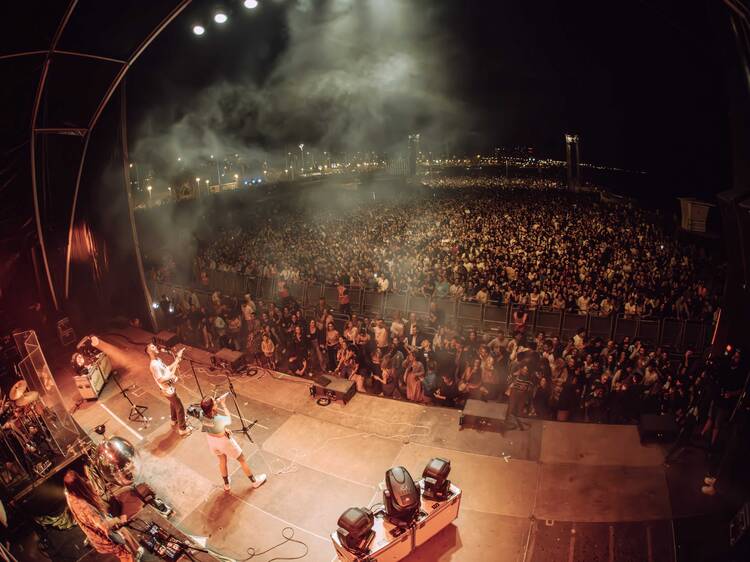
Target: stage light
<point>155,305</point>
<point>199,29</point>
<point>250,4</point>
<point>220,17</point>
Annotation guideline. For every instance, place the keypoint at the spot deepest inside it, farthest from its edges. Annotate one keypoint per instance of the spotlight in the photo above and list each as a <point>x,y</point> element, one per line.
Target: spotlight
<point>355,529</point>
<point>250,4</point>
<point>401,497</point>
<point>435,476</point>
<point>154,305</point>
<point>220,17</point>
<point>199,29</point>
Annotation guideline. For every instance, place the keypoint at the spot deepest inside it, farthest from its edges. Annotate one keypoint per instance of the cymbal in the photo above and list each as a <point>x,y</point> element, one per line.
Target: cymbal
<point>27,398</point>
<point>17,390</point>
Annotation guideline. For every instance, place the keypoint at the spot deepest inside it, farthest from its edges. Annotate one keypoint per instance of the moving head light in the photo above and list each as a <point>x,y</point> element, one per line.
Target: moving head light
<point>401,497</point>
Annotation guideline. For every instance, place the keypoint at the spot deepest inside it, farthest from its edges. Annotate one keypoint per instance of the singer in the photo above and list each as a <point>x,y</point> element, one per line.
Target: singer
<point>220,441</point>
<point>165,377</point>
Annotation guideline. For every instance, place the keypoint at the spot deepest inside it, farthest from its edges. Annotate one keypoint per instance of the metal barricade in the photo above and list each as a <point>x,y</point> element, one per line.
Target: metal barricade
<point>331,295</point>
<point>625,326</point>
<point>648,331</point>
<point>600,327</point>
<point>571,323</point>
<point>672,333</point>
<point>355,299</point>
<point>495,317</point>
<point>447,307</point>
<point>395,302</point>
<point>418,304</point>
<point>693,335</point>
<point>548,321</point>
<point>470,314</point>
<point>372,303</point>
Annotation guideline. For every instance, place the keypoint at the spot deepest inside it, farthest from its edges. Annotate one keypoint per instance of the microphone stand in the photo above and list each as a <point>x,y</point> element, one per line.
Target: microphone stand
<point>195,376</point>
<point>245,429</point>
<point>136,411</point>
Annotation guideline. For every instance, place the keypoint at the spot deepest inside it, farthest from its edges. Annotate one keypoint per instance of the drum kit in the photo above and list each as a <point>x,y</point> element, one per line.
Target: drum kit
<point>26,439</point>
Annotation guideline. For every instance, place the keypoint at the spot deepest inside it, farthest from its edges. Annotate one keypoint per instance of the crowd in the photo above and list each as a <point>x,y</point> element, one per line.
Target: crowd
<point>471,181</point>
<point>533,247</point>
<point>427,360</point>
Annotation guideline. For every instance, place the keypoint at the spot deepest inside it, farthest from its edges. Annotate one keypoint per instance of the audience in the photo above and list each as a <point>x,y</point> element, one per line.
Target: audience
<point>533,247</point>
<point>536,247</point>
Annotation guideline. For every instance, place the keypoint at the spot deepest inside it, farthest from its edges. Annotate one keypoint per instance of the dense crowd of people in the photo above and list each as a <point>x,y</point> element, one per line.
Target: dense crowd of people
<point>533,247</point>
<point>485,181</point>
<point>428,360</point>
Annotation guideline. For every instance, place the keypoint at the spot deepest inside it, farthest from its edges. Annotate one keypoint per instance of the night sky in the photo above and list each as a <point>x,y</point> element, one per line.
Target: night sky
<point>642,82</point>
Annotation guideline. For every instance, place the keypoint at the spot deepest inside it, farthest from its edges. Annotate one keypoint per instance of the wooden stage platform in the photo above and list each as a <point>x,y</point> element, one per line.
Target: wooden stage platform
<point>558,491</point>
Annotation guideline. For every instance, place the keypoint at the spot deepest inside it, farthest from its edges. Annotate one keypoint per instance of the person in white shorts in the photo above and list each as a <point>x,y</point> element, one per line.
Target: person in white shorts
<point>216,420</point>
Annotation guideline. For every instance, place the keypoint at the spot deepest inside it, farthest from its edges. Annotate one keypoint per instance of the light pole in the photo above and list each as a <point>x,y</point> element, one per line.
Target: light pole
<point>148,187</point>
<point>218,173</point>
<point>302,156</point>
<point>197,187</point>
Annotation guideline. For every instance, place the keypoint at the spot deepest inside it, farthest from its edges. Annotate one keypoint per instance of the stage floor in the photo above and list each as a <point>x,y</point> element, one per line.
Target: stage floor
<point>554,492</point>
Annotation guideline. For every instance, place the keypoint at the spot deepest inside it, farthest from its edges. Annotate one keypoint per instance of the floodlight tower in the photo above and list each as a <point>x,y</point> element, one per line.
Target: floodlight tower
<point>573,157</point>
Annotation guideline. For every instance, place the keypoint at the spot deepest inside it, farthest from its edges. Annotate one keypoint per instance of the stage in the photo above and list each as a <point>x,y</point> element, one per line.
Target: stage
<point>558,491</point>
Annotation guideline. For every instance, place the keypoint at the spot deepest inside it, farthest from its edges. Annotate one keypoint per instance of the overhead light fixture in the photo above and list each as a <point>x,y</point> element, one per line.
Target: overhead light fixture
<point>199,29</point>
<point>250,4</point>
<point>220,17</point>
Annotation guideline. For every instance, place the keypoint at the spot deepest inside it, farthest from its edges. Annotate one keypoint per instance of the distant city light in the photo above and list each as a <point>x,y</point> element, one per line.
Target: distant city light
<point>197,179</point>
<point>131,164</point>
<point>179,158</point>
<point>220,17</point>
<point>250,4</point>
<point>199,29</point>
<point>148,187</point>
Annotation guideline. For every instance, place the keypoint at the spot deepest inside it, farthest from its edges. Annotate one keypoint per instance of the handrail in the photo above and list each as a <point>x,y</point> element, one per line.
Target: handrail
<point>669,333</point>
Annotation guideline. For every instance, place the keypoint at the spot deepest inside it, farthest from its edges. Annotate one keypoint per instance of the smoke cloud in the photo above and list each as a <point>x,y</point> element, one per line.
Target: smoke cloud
<point>354,75</point>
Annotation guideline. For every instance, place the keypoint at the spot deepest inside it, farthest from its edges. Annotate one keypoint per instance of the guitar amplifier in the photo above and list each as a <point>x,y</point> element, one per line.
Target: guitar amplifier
<point>228,359</point>
<point>167,339</point>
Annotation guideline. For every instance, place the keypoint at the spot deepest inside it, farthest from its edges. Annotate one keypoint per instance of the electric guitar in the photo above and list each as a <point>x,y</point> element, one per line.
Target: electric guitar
<point>167,386</point>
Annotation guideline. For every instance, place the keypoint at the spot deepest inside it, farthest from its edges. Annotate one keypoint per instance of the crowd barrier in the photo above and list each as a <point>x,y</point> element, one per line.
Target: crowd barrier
<point>672,334</point>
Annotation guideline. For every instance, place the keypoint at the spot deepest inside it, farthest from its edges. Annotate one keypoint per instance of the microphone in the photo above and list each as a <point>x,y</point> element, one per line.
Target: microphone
<point>222,397</point>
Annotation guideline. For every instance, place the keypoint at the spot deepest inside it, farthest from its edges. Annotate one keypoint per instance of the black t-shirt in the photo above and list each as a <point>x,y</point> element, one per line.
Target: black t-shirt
<point>730,380</point>
<point>450,391</point>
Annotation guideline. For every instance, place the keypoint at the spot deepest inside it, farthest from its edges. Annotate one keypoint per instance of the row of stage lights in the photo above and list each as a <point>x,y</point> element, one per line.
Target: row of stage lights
<point>221,17</point>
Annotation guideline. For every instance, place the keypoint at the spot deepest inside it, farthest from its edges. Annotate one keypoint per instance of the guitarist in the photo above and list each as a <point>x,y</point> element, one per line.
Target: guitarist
<point>165,376</point>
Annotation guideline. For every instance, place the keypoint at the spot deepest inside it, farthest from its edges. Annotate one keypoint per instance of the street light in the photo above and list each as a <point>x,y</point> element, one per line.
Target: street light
<point>302,154</point>
<point>250,4</point>
<point>198,29</point>
<point>220,17</point>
